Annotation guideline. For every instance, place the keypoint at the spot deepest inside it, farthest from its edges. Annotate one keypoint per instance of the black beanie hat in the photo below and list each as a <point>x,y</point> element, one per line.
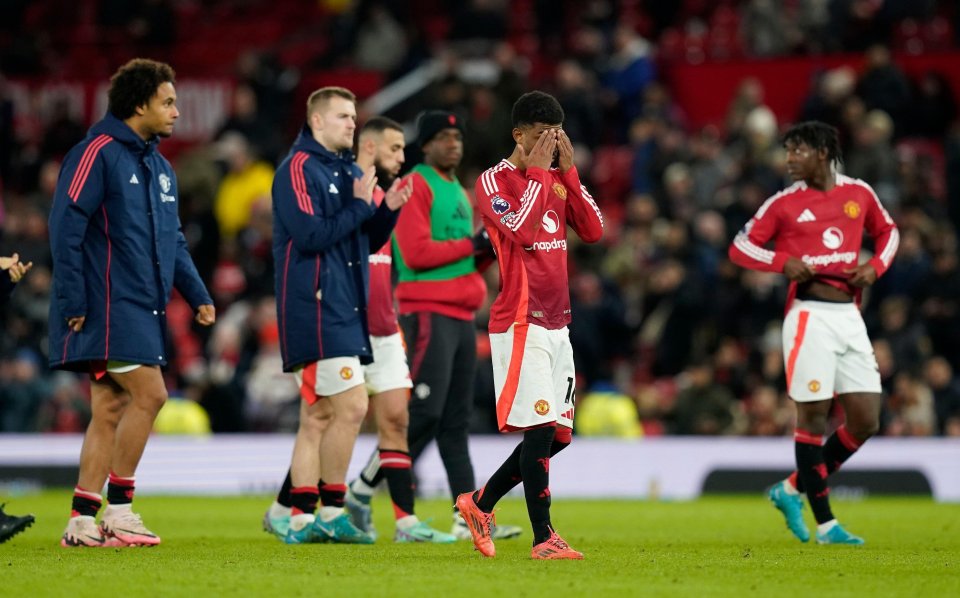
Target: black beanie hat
<point>432,122</point>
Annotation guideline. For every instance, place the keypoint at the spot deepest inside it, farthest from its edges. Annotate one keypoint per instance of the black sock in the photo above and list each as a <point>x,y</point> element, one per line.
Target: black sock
<point>283,497</point>
<point>839,447</point>
<point>812,472</point>
<point>119,490</point>
<point>332,495</point>
<point>508,476</point>
<point>395,466</point>
<point>535,470</point>
<point>303,500</point>
<point>85,503</point>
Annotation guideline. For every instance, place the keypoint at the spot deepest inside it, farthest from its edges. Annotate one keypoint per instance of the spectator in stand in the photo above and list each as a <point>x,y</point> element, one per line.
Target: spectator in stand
<point>934,106</point>
<point>883,86</point>
<point>703,406</point>
<point>946,390</point>
<point>872,157</point>
<point>246,183</point>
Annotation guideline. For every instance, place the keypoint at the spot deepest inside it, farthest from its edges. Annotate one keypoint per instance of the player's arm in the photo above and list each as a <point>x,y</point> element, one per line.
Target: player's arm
<point>749,246</point>
<point>583,214</point>
<point>78,196</point>
<point>413,232</point>
<point>886,237</point>
<point>303,216</point>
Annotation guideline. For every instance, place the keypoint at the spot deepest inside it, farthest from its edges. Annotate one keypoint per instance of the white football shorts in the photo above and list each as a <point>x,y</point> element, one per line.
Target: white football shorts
<point>328,377</point>
<point>389,369</point>
<point>826,350</point>
<point>534,377</point>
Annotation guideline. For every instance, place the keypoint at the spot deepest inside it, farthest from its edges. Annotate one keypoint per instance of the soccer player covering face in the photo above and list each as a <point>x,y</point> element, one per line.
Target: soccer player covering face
<point>816,227</point>
<point>526,206</point>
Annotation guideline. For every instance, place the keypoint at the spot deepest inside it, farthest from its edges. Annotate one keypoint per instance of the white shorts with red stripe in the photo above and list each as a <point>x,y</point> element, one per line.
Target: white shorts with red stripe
<point>534,377</point>
<point>826,350</point>
<point>389,369</point>
<point>328,377</point>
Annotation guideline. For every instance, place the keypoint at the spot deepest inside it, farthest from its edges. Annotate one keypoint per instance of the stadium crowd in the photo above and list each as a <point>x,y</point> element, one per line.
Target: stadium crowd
<point>670,337</point>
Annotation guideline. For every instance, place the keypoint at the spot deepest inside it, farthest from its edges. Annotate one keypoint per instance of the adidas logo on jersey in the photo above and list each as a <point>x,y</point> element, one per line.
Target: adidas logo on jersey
<point>333,189</point>
<point>806,216</point>
<point>134,180</point>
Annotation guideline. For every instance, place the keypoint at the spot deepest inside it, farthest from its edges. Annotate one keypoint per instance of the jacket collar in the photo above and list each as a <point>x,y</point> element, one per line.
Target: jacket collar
<point>306,143</point>
<point>119,130</point>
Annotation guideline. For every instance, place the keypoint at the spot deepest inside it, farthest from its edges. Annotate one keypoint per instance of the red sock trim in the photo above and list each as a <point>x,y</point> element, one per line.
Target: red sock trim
<point>304,489</point>
<point>334,488</point>
<point>792,480</point>
<point>395,460</point>
<point>119,481</point>
<point>398,512</point>
<point>78,491</point>
<point>847,439</point>
<point>807,438</point>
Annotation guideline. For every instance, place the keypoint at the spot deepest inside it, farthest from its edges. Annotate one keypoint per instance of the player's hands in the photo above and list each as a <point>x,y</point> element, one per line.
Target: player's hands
<point>398,194</point>
<point>363,187</point>
<point>798,271</point>
<point>206,315</point>
<point>541,156</point>
<point>565,148</point>
<point>14,267</point>
<point>76,323</point>
<point>482,247</point>
<point>862,276</point>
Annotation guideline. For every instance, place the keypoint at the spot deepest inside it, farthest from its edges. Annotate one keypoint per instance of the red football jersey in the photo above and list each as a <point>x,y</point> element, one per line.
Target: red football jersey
<point>526,214</point>
<point>381,314</point>
<point>824,229</point>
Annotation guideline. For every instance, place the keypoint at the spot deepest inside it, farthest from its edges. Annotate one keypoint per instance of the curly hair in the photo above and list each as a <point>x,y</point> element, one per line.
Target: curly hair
<point>817,135</point>
<point>134,84</point>
<point>536,107</point>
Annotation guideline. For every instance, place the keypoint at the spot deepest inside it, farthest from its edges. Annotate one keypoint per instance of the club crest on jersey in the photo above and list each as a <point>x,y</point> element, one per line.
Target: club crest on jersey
<point>499,205</point>
<point>832,238</point>
<point>346,373</point>
<point>550,222</point>
<point>560,190</point>
<point>813,385</point>
<point>541,407</point>
<point>164,183</point>
<point>851,209</point>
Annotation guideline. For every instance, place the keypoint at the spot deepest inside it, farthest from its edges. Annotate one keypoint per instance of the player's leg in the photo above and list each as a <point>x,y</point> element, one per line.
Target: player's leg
<point>809,350</point>
<point>147,391</point>
<point>547,544</point>
<point>107,401</point>
<point>349,409</point>
<point>430,354</point>
<point>454,426</point>
<point>304,493</point>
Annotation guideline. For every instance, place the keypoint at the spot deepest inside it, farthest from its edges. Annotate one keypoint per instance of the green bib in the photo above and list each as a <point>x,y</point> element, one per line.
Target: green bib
<point>451,218</point>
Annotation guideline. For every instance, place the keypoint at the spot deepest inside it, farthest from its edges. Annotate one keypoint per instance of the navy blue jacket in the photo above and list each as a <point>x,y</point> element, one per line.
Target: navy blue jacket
<point>118,250</point>
<point>322,240</point>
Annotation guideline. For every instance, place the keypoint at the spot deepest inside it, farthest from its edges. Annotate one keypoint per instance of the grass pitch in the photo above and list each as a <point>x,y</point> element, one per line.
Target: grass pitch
<point>710,547</point>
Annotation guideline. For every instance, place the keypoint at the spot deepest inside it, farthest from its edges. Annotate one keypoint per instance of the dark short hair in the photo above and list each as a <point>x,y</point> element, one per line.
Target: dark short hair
<point>537,107</point>
<point>134,84</point>
<point>379,124</point>
<point>817,135</point>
